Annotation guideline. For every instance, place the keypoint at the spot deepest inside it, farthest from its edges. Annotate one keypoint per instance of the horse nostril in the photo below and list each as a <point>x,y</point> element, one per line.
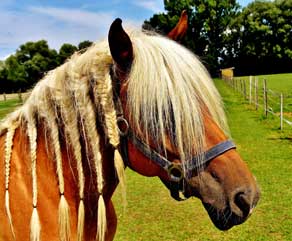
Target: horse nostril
<point>243,202</point>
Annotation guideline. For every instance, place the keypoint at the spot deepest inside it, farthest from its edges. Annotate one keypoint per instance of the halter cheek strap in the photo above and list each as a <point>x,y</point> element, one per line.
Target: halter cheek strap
<point>174,170</point>
<point>178,174</point>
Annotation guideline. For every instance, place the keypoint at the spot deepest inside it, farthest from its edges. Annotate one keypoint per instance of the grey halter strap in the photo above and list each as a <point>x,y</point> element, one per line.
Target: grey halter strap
<point>175,170</point>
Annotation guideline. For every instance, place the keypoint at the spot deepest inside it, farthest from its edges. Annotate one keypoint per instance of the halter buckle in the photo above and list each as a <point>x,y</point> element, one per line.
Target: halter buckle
<point>175,172</point>
<point>123,126</point>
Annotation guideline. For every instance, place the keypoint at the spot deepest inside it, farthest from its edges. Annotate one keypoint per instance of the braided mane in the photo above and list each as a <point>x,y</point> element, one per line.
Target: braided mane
<point>64,96</point>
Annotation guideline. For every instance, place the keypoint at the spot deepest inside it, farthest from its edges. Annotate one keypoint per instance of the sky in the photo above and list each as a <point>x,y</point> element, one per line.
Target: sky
<point>71,21</point>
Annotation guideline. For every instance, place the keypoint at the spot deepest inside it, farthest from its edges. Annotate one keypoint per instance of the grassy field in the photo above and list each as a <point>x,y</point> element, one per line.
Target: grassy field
<point>8,106</point>
<point>277,82</point>
<point>151,215</point>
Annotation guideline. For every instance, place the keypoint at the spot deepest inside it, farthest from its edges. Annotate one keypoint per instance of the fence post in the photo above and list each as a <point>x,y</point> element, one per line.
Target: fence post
<point>250,87</point>
<point>4,96</point>
<point>256,80</point>
<point>20,96</point>
<point>244,89</point>
<point>281,111</point>
<point>265,98</point>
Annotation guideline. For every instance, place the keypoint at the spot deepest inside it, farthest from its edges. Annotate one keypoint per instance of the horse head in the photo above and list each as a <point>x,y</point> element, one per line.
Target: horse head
<point>181,134</point>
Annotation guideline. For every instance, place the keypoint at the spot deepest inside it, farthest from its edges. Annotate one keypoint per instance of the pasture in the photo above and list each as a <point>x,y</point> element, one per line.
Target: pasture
<point>8,106</point>
<point>276,85</point>
<point>151,214</point>
<point>277,82</point>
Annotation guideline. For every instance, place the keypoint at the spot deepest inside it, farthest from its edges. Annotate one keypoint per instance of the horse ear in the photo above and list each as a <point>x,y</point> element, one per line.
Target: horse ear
<point>120,46</point>
<point>181,27</point>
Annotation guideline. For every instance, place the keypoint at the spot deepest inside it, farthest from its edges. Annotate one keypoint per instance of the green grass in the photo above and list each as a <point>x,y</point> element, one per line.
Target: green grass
<point>7,106</point>
<point>277,82</point>
<point>151,215</point>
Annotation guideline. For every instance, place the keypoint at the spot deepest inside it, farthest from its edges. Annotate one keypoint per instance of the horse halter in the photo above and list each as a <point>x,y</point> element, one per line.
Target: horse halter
<point>175,171</point>
<point>178,174</point>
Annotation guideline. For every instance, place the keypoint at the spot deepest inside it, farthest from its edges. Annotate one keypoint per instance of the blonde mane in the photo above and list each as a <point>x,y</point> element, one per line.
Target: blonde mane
<point>64,96</point>
<point>168,89</point>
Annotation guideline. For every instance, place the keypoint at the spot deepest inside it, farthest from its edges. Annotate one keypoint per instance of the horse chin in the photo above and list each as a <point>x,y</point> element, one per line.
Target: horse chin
<point>223,219</point>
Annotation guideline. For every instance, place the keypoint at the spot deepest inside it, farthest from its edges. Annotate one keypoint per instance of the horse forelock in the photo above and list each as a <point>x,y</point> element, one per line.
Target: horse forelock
<point>168,91</point>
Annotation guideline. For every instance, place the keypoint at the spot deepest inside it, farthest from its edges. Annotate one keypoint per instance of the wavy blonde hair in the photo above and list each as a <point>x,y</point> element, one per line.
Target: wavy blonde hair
<point>168,89</point>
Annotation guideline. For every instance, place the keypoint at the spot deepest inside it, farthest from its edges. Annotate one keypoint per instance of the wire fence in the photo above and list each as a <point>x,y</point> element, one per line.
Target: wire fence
<point>271,102</point>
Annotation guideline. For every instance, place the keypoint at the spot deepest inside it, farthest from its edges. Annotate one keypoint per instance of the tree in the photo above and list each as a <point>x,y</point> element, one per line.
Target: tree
<point>208,22</point>
<point>16,74</point>
<point>36,68</point>
<point>261,38</point>
<point>36,58</point>
<point>30,62</point>
<point>66,51</point>
<point>3,78</point>
<point>82,46</point>
<point>2,64</point>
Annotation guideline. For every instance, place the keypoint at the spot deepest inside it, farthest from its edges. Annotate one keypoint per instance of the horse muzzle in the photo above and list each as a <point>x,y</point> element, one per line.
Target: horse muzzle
<point>226,208</point>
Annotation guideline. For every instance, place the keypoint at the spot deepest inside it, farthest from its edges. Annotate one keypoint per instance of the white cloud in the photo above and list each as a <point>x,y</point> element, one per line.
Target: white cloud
<point>56,25</point>
<point>152,5</point>
<point>75,16</point>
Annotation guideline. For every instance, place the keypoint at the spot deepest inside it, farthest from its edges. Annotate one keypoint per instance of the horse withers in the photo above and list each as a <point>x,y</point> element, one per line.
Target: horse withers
<point>141,100</point>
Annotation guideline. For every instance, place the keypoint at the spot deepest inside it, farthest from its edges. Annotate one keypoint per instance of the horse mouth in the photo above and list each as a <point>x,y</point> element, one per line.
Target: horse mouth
<point>223,219</point>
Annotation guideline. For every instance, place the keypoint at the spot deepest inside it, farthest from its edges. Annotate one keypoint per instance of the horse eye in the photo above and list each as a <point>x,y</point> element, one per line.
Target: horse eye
<point>176,172</point>
<point>214,175</point>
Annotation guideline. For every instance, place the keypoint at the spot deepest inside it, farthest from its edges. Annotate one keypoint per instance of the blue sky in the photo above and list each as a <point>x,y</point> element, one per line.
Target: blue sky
<point>60,21</point>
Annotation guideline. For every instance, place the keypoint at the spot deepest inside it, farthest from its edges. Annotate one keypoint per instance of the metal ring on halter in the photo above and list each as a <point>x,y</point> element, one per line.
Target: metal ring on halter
<point>175,172</point>
<point>123,126</point>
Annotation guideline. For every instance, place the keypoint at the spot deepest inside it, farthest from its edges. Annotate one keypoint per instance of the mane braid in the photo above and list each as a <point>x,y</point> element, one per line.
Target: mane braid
<point>88,118</point>
<point>8,151</point>
<point>64,222</point>
<point>104,95</point>
<point>35,227</point>
<point>70,119</point>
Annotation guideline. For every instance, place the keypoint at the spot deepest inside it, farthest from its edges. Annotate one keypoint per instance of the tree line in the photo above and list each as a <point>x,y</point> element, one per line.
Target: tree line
<point>256,39</point>
<point>31,61</point>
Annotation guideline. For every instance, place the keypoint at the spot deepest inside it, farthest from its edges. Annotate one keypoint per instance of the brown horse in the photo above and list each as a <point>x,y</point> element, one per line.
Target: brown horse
<point>140,94</point>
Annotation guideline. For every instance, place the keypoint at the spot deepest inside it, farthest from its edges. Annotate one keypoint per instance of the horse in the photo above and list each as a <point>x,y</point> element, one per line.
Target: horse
<point>137,100</point>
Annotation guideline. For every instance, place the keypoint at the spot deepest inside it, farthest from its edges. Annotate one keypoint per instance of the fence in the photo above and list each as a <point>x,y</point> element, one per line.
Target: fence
<point>271,102</point>
<point>20,96</point>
